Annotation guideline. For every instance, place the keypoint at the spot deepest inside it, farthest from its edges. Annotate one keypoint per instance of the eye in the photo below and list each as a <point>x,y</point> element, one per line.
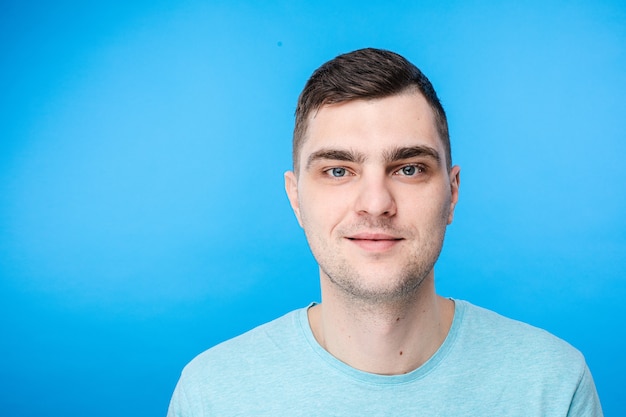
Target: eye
<point>337,172</point>
<point>410,170</point>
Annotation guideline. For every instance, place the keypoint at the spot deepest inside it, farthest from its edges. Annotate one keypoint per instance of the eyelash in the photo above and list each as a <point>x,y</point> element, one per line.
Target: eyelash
<point>329,172</point>
<point>418,169</point>
<point>346,172</point>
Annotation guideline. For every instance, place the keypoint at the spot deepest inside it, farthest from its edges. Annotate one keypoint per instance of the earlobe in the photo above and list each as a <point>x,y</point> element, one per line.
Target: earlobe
<point>291,187</point>
<point>455,182</point>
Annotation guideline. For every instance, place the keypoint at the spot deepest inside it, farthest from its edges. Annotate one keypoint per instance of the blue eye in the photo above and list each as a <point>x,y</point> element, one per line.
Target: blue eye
<point>338,172</point>
<point>409,170</point>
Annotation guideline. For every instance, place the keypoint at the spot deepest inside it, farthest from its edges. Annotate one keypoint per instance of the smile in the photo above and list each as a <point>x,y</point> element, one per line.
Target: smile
<point>374,242</point>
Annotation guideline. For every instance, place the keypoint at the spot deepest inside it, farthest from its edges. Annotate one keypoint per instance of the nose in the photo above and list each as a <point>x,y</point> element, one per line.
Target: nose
<point>375,197</point>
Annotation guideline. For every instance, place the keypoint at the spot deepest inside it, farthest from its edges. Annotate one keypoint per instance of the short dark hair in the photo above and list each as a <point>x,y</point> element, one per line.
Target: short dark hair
<point>364,74</point>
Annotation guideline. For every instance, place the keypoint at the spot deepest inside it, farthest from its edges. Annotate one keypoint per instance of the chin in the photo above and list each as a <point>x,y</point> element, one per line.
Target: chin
<point>371,291</point>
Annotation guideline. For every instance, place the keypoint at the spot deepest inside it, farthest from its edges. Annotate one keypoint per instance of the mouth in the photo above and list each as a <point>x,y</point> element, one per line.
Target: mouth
<point>374,242</point>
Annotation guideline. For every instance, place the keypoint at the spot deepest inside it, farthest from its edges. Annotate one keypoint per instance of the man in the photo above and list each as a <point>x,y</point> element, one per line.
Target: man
<point>374,188</point>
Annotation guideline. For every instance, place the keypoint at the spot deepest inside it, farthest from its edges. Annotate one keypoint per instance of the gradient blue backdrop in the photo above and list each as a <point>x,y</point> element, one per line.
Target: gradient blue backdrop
<point>142,212</point>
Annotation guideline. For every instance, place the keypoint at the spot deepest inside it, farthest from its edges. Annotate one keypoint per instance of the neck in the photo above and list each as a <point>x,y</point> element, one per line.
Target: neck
<point>389,339</point>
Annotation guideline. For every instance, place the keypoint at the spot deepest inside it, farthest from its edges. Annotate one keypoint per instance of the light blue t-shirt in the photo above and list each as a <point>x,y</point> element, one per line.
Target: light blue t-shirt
<point>488,365</point>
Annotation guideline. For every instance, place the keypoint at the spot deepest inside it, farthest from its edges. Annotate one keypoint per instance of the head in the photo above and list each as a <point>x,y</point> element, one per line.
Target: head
<point>372,186</point>
<point>364,74</point>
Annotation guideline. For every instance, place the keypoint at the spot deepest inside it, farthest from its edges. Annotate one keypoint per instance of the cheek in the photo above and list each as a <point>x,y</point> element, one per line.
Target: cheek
<point>309,211</point>
<point>431,209</point>
<point>444,207</point>
<point>321,215</point>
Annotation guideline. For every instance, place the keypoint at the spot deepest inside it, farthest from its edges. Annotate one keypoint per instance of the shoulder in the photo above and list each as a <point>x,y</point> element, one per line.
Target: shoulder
<point>530,362</point>
<point>506,340</point>
<point>223,372</point>
<point>259,345</point>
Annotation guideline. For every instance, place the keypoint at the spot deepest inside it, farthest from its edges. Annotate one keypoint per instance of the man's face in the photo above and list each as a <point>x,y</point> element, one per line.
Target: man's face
<point>373,195</point>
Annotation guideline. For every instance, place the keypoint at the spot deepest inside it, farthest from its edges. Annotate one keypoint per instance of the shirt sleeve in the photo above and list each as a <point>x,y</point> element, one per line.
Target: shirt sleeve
<point>179,405</point>
<point>585,402</point>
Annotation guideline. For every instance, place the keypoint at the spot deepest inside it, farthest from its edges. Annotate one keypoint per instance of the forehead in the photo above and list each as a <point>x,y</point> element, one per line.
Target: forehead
<point>373,126</point>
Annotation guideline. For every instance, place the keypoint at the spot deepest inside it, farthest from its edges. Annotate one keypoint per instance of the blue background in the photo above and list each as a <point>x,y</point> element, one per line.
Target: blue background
<point>142,211</point>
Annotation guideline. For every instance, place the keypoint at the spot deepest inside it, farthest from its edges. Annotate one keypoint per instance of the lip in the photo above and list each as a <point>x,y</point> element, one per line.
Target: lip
<point>374,242</point>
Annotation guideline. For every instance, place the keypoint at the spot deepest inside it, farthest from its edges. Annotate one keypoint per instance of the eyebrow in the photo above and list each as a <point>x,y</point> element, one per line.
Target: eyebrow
<point>336,155</point>
<point>390,156</point>
<point>400,153</point>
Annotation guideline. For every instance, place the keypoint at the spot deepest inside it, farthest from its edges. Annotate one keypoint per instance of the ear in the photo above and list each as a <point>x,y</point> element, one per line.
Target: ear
<point>291,187</point>
<point>455,182</point>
